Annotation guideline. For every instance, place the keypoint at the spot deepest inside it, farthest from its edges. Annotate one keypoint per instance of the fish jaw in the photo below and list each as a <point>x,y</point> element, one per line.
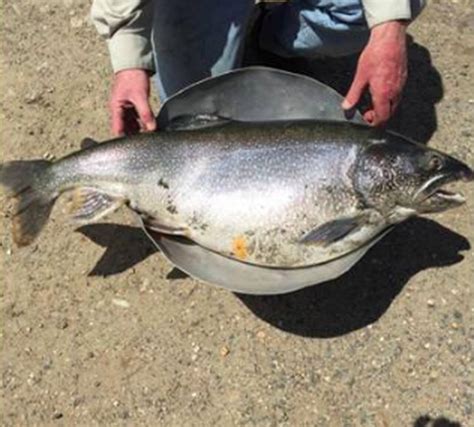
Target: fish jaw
<point>434,197</point>
<point>439,201</point>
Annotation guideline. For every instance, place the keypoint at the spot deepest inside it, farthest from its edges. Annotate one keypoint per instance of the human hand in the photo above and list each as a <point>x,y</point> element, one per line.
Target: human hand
<point>129,107</point>
<point>382,68</point>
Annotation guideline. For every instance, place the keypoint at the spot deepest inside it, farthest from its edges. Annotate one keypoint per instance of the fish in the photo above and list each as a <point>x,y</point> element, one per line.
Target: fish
<point>281,194</point>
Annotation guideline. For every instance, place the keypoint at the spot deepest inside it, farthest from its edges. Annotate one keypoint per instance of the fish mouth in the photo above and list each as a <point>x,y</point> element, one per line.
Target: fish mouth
<point>437,194</point>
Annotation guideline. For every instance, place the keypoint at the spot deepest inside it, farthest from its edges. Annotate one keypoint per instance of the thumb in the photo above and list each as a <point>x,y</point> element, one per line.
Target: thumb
<point>355,92</point>
<point>145,113</point>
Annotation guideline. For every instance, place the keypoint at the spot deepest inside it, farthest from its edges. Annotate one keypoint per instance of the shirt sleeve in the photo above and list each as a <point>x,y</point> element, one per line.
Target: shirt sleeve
<point>379,11</point>
<point>126,26</point>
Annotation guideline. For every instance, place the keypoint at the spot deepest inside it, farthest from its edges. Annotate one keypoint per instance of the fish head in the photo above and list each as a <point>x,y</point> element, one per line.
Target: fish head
<point>398,175</point>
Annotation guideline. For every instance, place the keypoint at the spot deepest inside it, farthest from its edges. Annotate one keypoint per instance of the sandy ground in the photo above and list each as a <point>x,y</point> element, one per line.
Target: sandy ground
<point>97,329</point>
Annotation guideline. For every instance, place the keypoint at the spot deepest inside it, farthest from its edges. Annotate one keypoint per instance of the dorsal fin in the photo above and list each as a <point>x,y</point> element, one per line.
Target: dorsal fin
<point>196,122</point>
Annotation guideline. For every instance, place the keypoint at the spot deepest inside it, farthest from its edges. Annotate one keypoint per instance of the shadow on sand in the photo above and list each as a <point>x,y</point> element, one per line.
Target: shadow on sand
<point>125,247</point>
<point>330,309</point>
<point>427,421</point>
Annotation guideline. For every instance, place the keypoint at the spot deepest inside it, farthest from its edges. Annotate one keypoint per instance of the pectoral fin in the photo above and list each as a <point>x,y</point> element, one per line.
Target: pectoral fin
<point>89,204</point>
<point>332,231</point>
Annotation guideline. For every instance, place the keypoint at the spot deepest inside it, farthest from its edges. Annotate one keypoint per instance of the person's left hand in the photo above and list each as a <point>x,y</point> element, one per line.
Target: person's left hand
<point>382,68</point>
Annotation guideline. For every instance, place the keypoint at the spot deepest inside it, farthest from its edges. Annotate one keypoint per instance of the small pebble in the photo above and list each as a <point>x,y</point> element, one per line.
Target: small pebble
<point>76,22</point>
<point>430,303</point>
<point>48,156</point>
<point>33,97</point>
<point>42,67</point>
<point>62,323</point>
<point>224,351</point>
<point>120,302</point>
<point>77,401</point>
<point>145,285</point>
<point>48,363</point>
<point>57,415</point>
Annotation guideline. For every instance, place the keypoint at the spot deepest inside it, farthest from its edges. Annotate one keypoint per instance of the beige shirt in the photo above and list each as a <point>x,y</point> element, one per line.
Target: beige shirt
<point>126,25</point>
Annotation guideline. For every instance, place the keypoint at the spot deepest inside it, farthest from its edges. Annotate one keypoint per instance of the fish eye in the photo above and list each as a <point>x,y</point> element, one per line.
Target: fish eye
<point>435,163</point>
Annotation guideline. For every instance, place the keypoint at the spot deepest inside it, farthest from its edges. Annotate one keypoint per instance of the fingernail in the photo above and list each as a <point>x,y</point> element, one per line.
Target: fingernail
<point>349,113</point>
<point>345,104</point>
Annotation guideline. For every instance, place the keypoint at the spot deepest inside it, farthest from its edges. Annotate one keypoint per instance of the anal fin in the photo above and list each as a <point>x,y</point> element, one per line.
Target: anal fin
<point>90,205</point>
<point>332,231</point>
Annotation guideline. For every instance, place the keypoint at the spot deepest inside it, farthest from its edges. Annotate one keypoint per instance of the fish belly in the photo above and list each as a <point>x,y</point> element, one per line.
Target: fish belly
<point>256,205</point>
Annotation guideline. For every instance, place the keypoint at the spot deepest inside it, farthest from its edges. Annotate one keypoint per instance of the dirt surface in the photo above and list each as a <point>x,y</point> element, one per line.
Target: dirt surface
<point>97,329</point>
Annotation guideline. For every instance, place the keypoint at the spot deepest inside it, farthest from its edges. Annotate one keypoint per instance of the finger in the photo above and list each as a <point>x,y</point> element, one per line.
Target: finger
<point>117,125</point>
<point>145,113</point>
<point>382,110</point>
<point>355,92</point>
<point>369,116</point>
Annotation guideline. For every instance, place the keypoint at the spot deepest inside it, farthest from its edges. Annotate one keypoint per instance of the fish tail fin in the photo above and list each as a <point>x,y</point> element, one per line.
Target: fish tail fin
<point>33,204</point>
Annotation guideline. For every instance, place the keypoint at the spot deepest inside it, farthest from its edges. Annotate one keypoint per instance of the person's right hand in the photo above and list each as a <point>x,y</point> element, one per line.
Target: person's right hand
<point>129,107</point>
<point>382,68</point>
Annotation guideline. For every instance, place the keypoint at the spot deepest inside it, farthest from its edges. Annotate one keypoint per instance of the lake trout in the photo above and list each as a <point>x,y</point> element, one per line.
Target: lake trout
<point>277,194</point>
